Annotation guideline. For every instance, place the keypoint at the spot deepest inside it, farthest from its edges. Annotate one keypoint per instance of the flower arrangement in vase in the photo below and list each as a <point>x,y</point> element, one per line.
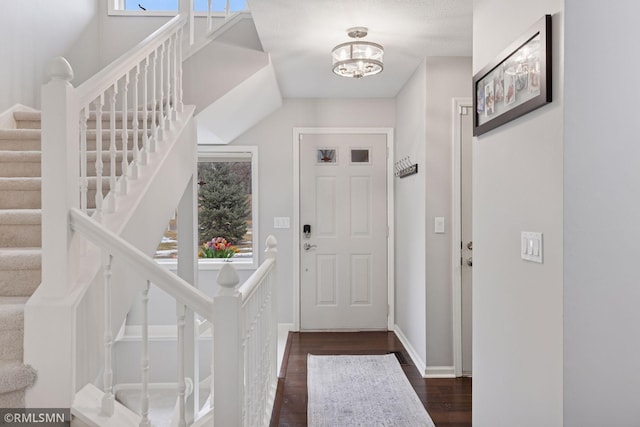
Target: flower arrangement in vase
<point>218,247</point>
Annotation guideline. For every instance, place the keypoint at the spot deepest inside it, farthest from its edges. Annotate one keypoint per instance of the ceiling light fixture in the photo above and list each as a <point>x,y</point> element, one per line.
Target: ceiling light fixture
<point>357,58</point>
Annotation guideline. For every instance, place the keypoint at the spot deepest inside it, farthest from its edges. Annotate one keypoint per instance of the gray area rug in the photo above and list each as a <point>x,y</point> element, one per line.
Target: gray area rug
<point>347,391</point>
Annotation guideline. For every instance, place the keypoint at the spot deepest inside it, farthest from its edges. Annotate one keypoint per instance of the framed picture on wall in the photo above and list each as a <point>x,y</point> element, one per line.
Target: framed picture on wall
<point>516,82</point>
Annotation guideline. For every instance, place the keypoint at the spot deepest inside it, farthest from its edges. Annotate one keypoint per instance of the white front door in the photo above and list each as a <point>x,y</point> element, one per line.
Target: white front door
<point>343,206</point>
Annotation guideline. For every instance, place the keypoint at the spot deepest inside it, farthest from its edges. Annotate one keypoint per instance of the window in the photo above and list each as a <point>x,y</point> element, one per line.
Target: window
<point>227,210</point>
<point>170,7</point>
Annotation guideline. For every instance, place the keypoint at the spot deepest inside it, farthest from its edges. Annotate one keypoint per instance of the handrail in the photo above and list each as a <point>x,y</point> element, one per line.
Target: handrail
<point>101,81</point>
<point>255,279</point>
<point>181,290</point>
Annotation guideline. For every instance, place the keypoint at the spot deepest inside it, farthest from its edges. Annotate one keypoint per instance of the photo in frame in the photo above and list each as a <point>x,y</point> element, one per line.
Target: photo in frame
<point>516,82</point>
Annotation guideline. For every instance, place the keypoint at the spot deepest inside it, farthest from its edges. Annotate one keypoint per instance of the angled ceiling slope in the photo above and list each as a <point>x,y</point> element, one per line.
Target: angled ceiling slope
<point>231,81</point>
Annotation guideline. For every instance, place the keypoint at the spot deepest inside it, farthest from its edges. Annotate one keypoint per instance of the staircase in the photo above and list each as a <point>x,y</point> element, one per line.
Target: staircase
<point>86,190</point>
<point>20,240</point>
<point>20,249</point>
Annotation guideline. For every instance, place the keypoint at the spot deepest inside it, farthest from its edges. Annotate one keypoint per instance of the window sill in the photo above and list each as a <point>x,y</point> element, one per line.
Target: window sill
<point>206,265</point>
<point>160,13</point>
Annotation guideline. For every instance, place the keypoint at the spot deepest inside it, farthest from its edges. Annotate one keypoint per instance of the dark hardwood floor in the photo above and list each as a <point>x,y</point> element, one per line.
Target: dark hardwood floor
<point>448,401</point>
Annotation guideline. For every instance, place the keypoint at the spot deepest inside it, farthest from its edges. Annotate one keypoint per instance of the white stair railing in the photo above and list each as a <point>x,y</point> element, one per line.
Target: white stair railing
<point>67,114</point>
<point>245,345</point>
<point>244,322</point>
<point>88,164</point>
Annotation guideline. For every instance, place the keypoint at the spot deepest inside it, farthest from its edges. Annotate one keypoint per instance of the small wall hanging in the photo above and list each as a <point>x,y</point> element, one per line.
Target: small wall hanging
<point>516,82</point>
<point>405,168</point>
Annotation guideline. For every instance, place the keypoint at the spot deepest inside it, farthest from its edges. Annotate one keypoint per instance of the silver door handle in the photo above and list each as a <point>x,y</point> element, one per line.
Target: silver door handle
<point>470,246</point>
<point>308,246</point>
<point>470,262</point>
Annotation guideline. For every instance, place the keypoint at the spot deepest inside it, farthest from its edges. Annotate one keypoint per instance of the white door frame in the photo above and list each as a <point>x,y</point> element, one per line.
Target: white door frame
<point>456,251</point>
<point>297,132</point>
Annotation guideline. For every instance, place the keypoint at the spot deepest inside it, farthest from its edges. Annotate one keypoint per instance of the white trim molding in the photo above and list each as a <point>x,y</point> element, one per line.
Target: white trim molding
<point>231,153</point>
<point>456,238</point>
<point>439,372</point>
<point>297,133</point>
<point>417,360</point>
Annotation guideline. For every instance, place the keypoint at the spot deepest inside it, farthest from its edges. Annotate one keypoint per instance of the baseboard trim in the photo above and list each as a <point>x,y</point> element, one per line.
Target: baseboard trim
<point>439,372</point>
<point>420,364</point>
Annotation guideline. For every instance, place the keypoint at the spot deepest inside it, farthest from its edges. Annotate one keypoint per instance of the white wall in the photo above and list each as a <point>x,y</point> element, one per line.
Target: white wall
<point>32,33</point>
<point>517,186</point>
<point>423,258</point>
<point>121,33</point>
<point>446,78</point>
<point>410,214</point>
<point>274,138</point>
<point>601,211</point>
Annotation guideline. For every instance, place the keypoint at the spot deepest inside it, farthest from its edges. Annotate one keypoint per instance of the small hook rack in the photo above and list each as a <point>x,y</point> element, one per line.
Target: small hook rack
<point>404,167</point>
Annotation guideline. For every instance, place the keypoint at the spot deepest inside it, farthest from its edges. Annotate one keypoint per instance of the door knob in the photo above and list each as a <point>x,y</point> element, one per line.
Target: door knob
<point>469,261</point>
<point>308,246</point>
<point>470,246</point>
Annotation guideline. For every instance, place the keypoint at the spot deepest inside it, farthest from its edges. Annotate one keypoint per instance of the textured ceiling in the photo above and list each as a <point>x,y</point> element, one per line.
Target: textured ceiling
<point>299,36</point>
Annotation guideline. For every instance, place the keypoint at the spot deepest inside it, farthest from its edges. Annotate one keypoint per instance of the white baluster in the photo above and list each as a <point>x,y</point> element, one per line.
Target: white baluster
<point>161,117</point>
<point>135,167</point>
<point>182,386</point>
<point>209,20</point>
<point>107,398</point>
<point>174,95</point>
<point>145,112</point>
<point>154,103</point>
<point>168,99</point>
<point>125,136</point>
<point>112,148</point>
<point>99,103</point>
<point>180,106</point>
<point>84,181</point>
<point>144,361</point>
<point>227,9</point>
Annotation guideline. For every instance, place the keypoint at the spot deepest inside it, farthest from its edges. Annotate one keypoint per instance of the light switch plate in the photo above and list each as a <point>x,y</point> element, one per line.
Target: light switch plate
<point>438,225</point>
<point>531,246</point>
<point>281,222</point>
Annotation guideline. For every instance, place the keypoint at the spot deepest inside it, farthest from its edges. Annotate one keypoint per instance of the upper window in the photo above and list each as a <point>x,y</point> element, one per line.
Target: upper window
<point>170,7</point>
<point>227,209</point>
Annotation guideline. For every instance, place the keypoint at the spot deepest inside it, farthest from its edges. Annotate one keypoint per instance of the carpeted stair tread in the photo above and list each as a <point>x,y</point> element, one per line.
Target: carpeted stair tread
<point>15,376</point>
<point>20,193</point>
<point>20,271</point>
<point>12,328</point>
<point>20,258</point>
<point>20,156</point>
<point>30,183</point>
<point>20,216</point>
<point>27,115</point>
<point>12,313</point>
<point>20,227</point>
<point>13,134</point>
<point>37,115</point>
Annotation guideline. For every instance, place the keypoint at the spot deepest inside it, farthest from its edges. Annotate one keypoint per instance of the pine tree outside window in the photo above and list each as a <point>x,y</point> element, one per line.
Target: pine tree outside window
<point>227,210</point>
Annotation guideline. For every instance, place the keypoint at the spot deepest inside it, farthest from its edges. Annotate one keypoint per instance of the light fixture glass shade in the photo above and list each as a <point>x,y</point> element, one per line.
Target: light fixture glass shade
<point>357,59</point>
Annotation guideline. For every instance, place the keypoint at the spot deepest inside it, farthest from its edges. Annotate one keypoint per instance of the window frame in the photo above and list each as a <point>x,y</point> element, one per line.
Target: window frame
<point>229,153</point>
<point>116,8</point>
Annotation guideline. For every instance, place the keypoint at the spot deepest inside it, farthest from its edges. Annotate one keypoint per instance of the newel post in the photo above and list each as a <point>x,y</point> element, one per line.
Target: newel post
<point>60,172</point>
<point>49,319</point>
<point>186,9</point>
<point>228,366</point>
